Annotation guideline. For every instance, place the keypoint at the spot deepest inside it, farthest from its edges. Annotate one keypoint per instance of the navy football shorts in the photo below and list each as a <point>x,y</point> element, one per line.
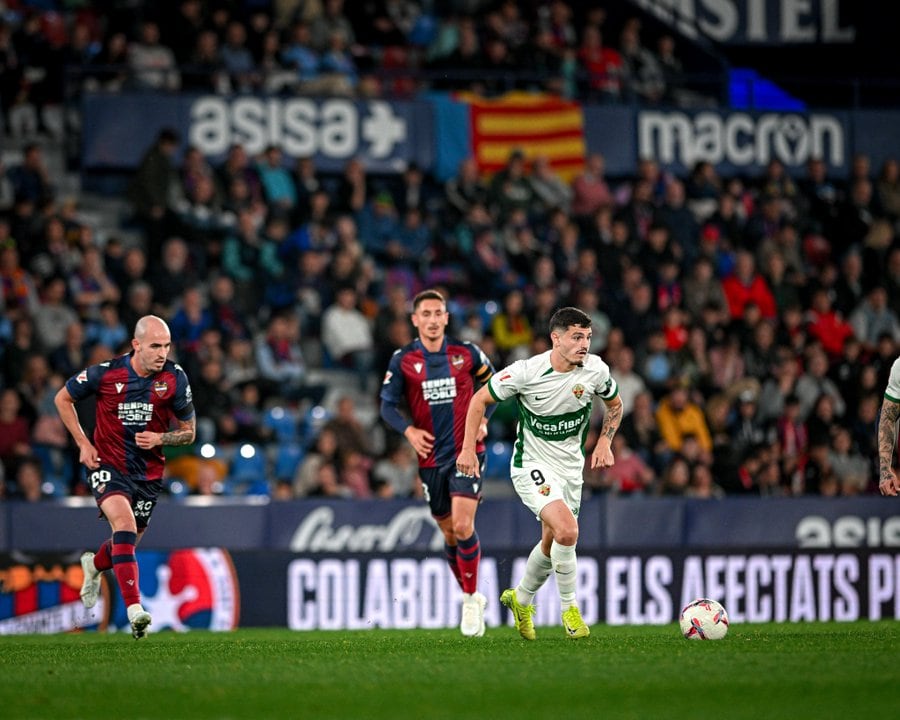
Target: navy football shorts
<point>106,481</point>
<point>440,484</point>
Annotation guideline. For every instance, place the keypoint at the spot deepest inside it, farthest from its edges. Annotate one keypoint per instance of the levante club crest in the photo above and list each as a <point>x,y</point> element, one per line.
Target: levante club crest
<point>182,590</point>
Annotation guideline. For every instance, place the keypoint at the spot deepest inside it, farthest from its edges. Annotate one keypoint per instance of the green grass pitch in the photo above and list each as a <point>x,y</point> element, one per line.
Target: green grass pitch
<point>764,672</point>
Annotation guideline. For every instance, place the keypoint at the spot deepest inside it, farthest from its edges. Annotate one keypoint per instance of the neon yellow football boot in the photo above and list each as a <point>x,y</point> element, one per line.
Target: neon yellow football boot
<point>574,625</point>
<point>521,613</point>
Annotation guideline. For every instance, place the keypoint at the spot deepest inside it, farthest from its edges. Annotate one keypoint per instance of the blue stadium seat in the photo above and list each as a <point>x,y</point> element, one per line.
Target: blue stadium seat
<point>57,469</point>
<point>248,463</point>
<point>283,422</point>
<point>496,462</point>
<point>288,457</point>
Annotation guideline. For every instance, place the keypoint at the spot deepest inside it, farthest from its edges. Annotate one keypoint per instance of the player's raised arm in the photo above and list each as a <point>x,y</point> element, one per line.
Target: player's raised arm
<point>467,462</point>
<point>887,441</point>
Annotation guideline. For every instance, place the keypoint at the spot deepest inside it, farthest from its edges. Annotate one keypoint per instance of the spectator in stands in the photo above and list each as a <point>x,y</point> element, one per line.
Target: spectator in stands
<point>873,318</point>
<point>331,20</point>
<point>629,475</point>
<point>153,188</point>
<point>856,216</point>
<point>814,382</point>
<point>745,285</point>
<point>590,191</point>
<point>54,314</point>
<point>72,355</point>
<point>347,335</point>
<point>152,64</point>
<point>511,329</point>
<point>318,474</point>
<point>827,325</point>
<point>548,187</point>
<point>352,435</point>
<point>15,432</point>
<point>605,68</point>
<point>338,68</point>
<point>464,190</point>
<point>509,188</point>
<point>278,186</point>
<point>29,481</point>
<point>282,367</point>
<point>189,321</point>
<point>396,475</point>
<point>352,192</point>
<point>238,60</point>
<point>644,77</point>
<point>887,190</point>
<point>90,286</point>
<point>678,416</point>
<point>30,179</point>
<point>108,330</point>
<point>204,71</point>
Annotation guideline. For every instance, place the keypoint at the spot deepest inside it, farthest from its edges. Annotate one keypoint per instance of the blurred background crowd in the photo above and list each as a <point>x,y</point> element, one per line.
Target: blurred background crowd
<point>751,322</point>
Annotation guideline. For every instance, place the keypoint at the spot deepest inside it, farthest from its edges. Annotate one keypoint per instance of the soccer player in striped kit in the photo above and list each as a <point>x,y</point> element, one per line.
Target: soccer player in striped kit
<point>436,376</point>
<point>555,392</point>
<point>143,402</point>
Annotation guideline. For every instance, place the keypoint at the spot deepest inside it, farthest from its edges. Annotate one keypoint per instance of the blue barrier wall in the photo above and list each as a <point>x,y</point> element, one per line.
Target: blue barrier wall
<point>399,526</point>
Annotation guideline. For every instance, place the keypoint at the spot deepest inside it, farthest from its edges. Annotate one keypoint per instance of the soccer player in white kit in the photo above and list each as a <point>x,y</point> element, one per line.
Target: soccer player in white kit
<point>888,483</point>
<point>555,391</point>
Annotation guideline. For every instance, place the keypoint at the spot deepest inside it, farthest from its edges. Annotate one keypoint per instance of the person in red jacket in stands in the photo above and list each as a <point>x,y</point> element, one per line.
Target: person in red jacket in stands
<point>827,325</point>
<point>745,285</point>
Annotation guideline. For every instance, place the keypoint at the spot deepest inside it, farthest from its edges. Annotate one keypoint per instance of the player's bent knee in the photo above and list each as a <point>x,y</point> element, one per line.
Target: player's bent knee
<point>566,536</point>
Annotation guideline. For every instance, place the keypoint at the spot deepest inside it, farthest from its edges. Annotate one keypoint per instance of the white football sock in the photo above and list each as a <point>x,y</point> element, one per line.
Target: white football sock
<point>564,563</point>
<point>537,570</point>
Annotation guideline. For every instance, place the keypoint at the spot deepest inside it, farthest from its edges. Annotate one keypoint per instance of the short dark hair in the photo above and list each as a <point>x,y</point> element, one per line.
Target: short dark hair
<point>565,317</point>
<point>429,294</point>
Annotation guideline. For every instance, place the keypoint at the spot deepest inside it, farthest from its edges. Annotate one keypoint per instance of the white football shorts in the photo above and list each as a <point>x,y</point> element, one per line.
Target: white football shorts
<point>538,486</point>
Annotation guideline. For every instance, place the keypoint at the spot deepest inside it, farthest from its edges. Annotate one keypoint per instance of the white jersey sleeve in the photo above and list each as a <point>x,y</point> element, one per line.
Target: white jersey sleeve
<point>892,392</point>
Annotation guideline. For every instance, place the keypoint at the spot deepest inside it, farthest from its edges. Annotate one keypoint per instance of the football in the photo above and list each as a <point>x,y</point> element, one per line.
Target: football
<point>704,619</point>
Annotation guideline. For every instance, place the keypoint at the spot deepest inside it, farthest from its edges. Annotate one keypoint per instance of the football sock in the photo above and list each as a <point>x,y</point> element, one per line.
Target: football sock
<point>450,555</point>
<point>563,559</point>
<point>468,553</point>
<point>103,557</point>
<point>125,566</point>
<point>537,570</point>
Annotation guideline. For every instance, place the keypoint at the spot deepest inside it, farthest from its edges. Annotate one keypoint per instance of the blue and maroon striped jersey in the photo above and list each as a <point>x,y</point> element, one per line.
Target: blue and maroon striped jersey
<point>127,404</point>
<point>437,388</point>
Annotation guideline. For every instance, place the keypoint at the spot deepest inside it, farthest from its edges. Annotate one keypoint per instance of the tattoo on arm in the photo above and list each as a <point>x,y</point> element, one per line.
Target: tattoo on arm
<point>183,435</point>
<point>611,420</point>
<point>887,435</point>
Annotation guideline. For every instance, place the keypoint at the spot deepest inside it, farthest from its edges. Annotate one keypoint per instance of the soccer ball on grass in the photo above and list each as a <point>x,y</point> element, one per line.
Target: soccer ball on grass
<point>704,619</point>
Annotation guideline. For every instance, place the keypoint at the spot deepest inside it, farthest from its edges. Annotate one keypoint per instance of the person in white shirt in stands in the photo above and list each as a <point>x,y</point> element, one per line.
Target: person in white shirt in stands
<point>347,335</point>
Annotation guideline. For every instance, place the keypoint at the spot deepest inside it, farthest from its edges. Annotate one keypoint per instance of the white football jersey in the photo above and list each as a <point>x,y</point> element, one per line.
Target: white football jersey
<point>893,387</point>
<point>554,409</point>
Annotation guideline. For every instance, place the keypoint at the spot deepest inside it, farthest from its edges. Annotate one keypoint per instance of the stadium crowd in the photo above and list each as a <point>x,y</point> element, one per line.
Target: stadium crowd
<point>750,322</point>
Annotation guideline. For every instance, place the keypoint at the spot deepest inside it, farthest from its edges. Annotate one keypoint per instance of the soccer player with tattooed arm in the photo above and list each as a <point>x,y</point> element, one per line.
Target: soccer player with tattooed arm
<point>888,483</point>
<point>432,379</point>
<point>555,392</point>
<point>143,402</point>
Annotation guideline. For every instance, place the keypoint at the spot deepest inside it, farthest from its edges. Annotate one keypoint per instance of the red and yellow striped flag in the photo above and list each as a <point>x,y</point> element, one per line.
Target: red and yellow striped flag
<point>535,124</point>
